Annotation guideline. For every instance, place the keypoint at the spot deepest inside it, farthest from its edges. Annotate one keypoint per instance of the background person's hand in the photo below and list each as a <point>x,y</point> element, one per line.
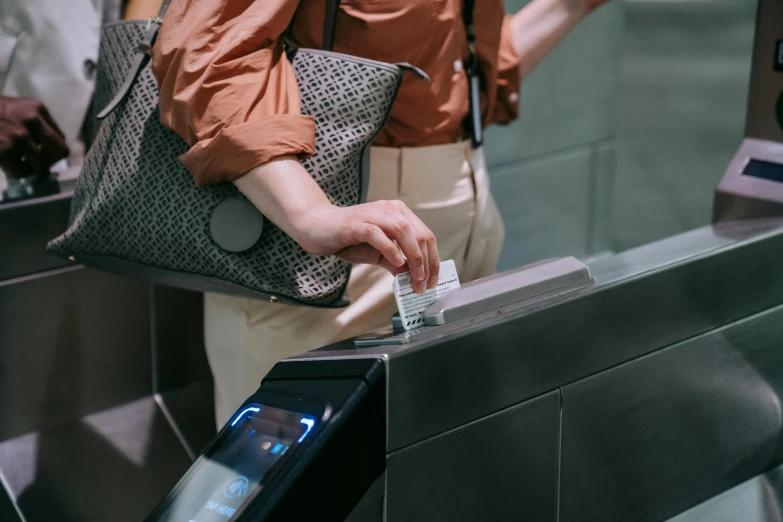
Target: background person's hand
<point>377,233</point>
<point>30,140</point>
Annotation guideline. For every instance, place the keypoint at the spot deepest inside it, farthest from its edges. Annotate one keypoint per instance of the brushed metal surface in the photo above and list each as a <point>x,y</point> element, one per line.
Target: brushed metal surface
<point>192,410</point>
<point>72,342</point>
<point>760,499</point>
<point>178,338</point>
<point>651,438</point>
<point>370,507</point>
<point>502,467</point>
<point>642,301</point>
<point>25,228</point>
<point>114,465</point>
<point>506,288</point>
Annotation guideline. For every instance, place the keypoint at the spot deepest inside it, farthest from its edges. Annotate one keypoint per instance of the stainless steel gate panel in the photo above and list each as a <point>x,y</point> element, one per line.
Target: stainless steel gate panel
<point>760,499</point>
<point>111,465</point>
<point>656,436</point>
<point>182,380</point>
<point>503,464</point>
<point>60,356</point>
<point>25,227</point>
<point>702,281</point>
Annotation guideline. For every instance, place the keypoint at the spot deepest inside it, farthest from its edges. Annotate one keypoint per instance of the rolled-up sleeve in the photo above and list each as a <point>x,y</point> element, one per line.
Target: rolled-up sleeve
<point>226,86</point>
<point>509,80</point>
<point>499,64</point>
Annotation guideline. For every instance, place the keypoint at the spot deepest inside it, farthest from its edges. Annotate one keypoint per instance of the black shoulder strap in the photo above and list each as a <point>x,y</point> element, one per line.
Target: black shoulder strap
<point>467,17</point>
<point>332,6</point>
<point>330,16</point>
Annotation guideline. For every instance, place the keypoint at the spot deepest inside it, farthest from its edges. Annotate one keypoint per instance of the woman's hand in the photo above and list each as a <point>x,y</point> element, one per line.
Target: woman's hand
<point>378,233</point>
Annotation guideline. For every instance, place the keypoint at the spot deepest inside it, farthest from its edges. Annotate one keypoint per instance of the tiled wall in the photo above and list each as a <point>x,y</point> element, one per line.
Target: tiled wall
<point>552,170</point>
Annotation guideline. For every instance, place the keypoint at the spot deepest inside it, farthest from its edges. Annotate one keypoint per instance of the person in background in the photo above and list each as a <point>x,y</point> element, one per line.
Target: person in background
<point>228,89</point>
<point>48,55</point>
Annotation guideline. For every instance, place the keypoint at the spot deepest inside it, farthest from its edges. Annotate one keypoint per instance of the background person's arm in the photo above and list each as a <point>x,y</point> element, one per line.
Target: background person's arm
<point>537,28</point>
<point>141,9</point>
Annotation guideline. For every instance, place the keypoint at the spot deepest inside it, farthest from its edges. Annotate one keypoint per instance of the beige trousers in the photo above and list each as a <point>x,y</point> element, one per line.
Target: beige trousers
<point>445,185</point>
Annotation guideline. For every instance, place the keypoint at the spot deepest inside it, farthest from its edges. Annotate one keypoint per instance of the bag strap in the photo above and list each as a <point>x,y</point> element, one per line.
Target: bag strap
<point>329,20</point>
<point>468,6</point>
<point>474,123</point>
<point>144,50</point>
<point>142,56</point>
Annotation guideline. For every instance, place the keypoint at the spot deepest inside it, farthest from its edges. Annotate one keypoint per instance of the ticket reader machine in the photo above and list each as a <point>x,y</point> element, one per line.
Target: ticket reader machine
<point>752,186</point>
<point>634,390</point>
<point>312,442</point>
<point>306,446</point>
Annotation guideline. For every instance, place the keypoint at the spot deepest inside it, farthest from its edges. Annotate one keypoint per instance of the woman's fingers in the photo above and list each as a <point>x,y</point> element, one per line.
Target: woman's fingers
<point>390,235</point>
<point>428,243</point>
<point>372,234</point>
<point>399,227</point>
<point>367,254</point>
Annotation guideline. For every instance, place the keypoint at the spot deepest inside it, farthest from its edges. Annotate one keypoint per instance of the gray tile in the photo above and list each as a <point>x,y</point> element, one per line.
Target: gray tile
<point>545,205</point>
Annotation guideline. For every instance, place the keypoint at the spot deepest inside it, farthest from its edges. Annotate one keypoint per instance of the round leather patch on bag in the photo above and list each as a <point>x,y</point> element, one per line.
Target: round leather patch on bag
<point>235,224</point>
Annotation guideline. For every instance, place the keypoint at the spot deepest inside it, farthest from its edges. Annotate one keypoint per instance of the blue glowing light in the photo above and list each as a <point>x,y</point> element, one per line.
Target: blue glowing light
<point>309,423</point>
<point>242,413</point>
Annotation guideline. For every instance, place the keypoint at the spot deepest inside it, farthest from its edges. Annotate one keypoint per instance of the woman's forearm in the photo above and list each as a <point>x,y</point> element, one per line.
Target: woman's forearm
<point>283,190</point>
<point>383,233</point>
<point>538,27</point>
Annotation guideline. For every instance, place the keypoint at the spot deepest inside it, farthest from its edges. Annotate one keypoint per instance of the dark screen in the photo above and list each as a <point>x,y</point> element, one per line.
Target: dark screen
<point>245,456</point>
<point>764,170</point>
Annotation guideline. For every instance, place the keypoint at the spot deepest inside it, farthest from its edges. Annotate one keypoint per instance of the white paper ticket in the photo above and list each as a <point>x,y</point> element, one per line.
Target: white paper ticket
<point>412,305</point>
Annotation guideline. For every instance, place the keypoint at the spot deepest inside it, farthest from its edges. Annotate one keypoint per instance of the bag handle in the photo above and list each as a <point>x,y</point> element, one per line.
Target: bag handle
<point>144,50</point>
<point>142,56</point>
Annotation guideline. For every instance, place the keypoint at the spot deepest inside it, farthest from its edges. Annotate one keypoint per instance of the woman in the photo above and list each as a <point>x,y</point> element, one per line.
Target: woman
<point>228,89</point>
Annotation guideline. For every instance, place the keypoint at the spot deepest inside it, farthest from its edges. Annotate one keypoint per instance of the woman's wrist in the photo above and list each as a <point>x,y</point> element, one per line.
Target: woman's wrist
<point>285,193</point>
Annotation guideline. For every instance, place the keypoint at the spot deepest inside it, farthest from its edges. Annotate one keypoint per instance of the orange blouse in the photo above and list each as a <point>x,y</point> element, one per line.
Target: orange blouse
<point>228,89</point>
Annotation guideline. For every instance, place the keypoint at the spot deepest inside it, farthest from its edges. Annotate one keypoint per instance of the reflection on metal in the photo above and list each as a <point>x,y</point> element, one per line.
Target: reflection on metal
<point>77,399</point>
<point>502,467</point>
<point>137,417</point>
<point>760,499</point>
<point>657,435</point>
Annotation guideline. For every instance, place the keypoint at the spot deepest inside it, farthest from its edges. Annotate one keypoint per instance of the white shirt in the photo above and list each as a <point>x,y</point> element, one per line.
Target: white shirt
<point>48,51</point>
